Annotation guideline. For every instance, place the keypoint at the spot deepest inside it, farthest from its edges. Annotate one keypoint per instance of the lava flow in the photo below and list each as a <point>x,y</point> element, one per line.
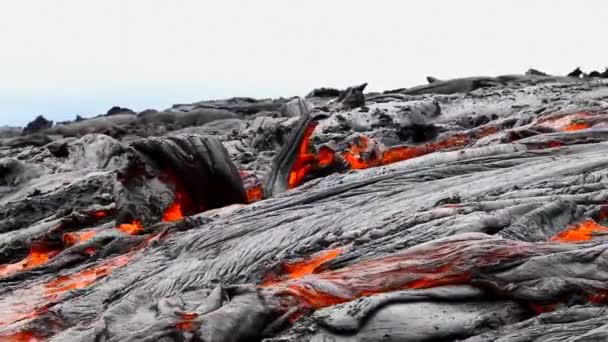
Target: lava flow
<point>581,232</point>
<point>71,239</point>
<point>32,301</point>
<point>38,255</point>
<point>85,277</point>
<point>571,122</point>
<point>297,269</point>
<point>304,159</point>
<point>365,153</point>
<point>428,265</point>
<point>174,212</point>
<point>133,228</point>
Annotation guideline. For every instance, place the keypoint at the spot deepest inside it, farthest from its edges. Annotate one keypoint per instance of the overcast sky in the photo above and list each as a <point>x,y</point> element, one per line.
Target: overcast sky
<point>61,58</point>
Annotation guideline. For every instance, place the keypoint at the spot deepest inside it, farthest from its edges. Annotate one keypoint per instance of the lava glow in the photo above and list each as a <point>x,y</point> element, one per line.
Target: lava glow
<point>38,256</point>
<point>71,239</point>
<point>304,159</point>
<point>133,228</point>
<point>100,214</point>
<point>255,194</point>
<point>365,153</point>
<point>581,232</point>
<point>571,122</point>
<point>174,212</point>
<point>86,277</point>
<point>24,336</point>
<point>429,265</point>
<point>294,270</point>
<point>186,323</point>
<point>32,301</point>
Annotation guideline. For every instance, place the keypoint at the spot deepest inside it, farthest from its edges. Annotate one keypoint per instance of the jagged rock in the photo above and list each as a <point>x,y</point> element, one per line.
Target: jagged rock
<point>352,97</point>
<point>296,107</point>
<point>39,124</point>
<point>119,110</point>
<point>324,92</point>
<point>534,72</point>
<point>576,73</point>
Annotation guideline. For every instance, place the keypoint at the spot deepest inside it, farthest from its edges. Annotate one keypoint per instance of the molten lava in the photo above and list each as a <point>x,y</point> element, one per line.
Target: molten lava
<point>86,277</point>
<point>22,336</point>
<point>361,154</point>
<point>304,159</point>
<point>100,214</point>
<point>186,323</point>
<point>571,122</point>
<point>133,228</point>
<point>255,193</point>
<point>581,232</point>
<point>428,265</point>
<point>71,239</point>
<point>38,256</point>
<point>294,270</point>
<point>174,212</point>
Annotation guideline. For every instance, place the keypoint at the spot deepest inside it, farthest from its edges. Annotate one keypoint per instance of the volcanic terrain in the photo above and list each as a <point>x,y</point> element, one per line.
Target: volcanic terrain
<point>471,209</point>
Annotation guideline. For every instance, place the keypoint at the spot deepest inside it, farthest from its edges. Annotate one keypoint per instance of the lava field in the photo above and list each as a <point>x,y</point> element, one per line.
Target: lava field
<point>471,209</point>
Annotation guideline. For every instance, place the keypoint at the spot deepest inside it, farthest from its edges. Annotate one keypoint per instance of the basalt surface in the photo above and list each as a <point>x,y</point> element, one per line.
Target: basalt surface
<point>473,209</point>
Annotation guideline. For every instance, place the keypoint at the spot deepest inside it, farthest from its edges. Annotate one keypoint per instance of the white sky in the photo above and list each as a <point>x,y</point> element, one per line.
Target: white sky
<point>66,57</point>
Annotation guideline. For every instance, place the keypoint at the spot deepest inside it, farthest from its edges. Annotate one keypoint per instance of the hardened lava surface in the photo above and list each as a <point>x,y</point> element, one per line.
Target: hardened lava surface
<point>473,209</point>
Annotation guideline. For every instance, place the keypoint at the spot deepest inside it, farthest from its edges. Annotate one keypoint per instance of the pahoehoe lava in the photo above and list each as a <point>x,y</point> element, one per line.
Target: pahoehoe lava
<point>472,209</point>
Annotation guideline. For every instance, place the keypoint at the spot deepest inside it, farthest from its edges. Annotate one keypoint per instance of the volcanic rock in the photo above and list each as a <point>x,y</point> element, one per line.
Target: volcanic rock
<point>472,209</point>
<point>118,110</point>
<point>37,125</point>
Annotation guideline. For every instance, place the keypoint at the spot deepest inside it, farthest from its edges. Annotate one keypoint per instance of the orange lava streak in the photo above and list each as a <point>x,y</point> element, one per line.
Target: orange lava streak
<point>577,126</point>
<point>86,277</point>
<point>304,159</point>
<point>131,228</point>
<point>186,323</point>
<point>38,256</point>
<point>305,267</point>
<point>174,212</point>
<point>294,270</point>
<point>100,214</point>
<point>255,194</point>
<point>71,239</point>
<point>581,232</point>
<point>325,156</point>
<point>424,266</point>
<point>571,122</point>
<point>22,336</point>
<point>32,301</point>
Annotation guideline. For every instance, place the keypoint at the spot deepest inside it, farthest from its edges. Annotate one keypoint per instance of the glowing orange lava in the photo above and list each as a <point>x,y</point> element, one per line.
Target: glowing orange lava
<point>577,126</point>
<point>255,193</point>
<point>100,214</point>
<point>22,336</point>
<point>32,301</point>
<point>174,212</point>
<point>38,256</point>
<point>570,122</point>
<point>71,239</point>
<point>581,232</point>
<point>365,153</point>
<point>186,323</point>
<point>438,263</point>
<point>325,156</point>
<point>86,277</point>
<point>132,228</point>
<point>294,270</point>
<point>304,159</point>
